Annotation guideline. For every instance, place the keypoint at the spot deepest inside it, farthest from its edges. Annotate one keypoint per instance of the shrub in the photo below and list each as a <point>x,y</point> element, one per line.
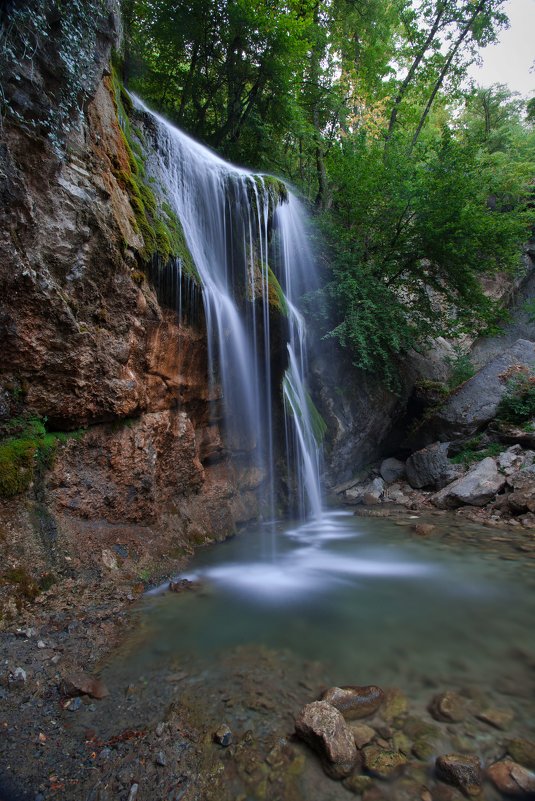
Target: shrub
<point>518,403</point>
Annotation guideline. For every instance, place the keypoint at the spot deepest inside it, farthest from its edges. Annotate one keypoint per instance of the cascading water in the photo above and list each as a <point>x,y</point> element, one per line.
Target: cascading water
<point>249,242</point>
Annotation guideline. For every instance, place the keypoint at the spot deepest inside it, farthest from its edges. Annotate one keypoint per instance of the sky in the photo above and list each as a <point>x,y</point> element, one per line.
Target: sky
<point>509,60</point>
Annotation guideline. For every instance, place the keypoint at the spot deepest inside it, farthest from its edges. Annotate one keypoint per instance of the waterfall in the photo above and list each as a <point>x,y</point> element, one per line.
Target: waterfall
<point>248,239</point>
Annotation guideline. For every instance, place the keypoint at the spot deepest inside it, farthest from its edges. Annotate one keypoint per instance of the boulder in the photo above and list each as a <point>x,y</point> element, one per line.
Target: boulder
<point>476,488</point>
<point>430,467</point>
<point>475,403</point>
<point>512,779</point>
<point>461,771</point>
<point>355,702</point>
<point>323,727</point>
<point>392,470</point>
<point>513,459</point>
<point>79,683</point>
<point>522,498</point>
<point>370,492</point>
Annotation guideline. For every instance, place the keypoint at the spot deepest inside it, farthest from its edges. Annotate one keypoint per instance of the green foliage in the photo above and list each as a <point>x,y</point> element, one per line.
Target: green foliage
<point>409,241</point>
<point>518,404</point>
<point>27,445</point>
<point>471,453</point>
<point>461,366</point>
<point>423,187</point>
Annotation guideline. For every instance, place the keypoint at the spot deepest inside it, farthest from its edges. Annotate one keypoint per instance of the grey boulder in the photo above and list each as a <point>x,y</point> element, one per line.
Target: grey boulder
<point>430,467</point>
<point>392,470</point>
<point>476,488</point>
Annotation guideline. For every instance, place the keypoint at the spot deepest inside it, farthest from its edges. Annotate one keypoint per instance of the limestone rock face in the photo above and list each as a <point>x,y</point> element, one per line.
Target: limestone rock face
<point>476,488</point>
<point>430,467</point>
<point>323,727</point>
<point>87,345</point>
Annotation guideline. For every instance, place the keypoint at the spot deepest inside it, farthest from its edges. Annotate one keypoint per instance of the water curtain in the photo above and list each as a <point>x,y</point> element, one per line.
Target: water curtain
<point>248,238</point>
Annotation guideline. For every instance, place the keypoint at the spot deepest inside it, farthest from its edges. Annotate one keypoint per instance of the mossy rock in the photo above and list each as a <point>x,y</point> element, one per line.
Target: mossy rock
<point>156,221</point>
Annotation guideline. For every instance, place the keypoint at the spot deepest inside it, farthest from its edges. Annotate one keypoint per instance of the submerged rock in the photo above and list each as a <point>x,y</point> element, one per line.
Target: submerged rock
<point>395,704</point>
<point>358,784</point>
<point>355,702</point>
<point>79,683</point>
<point>461,771</point>
<point>323,727</point>
<point>448,707</point>
<point>498,718</point>
<point>511,778</point>
<point>522,751</point>
<point>383,762</point>
<point>363,734</point>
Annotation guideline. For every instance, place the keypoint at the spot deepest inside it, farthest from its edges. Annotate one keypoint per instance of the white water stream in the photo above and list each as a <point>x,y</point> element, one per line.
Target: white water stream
<point>242,234</point>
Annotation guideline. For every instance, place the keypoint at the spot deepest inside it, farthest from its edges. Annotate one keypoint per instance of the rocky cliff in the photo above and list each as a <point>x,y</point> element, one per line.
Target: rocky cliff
<point>112,456</point>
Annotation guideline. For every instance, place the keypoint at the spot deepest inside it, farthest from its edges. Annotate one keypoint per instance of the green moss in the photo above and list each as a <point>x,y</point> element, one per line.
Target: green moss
<point>277,298</point>
<point>26,445</point>
<point>276,189</point>
<point>156,221</point>
<point>20,578</point>
<point>16,466</point>
<point>318,424</point>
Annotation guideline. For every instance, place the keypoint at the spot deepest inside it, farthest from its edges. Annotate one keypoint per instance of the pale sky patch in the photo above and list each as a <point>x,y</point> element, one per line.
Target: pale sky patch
<point>511,59</point>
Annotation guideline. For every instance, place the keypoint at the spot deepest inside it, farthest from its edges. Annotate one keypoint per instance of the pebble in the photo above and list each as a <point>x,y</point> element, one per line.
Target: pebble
<point>522,751</point>
<point>395,704</point>
<point>461,771</point>
<point>499,718</point>
<point>41,644</point>
<point>79,683</point>
<point>363,734</point>
<point>223,735</point>
<point>160,728</point>
<point>73,705</point>
<point>355,702</point>
<point>382,762</point>
<point>448,707</point>
<point>132,795</point>
<point>357,784</point>
<point>161,759</point>
<point>19,675</point>
<point>423,529</point>
<point>512,779</point>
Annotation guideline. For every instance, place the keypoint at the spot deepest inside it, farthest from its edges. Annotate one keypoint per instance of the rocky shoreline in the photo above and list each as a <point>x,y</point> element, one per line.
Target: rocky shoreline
<point>498,491</point>
<point>160,741</point>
